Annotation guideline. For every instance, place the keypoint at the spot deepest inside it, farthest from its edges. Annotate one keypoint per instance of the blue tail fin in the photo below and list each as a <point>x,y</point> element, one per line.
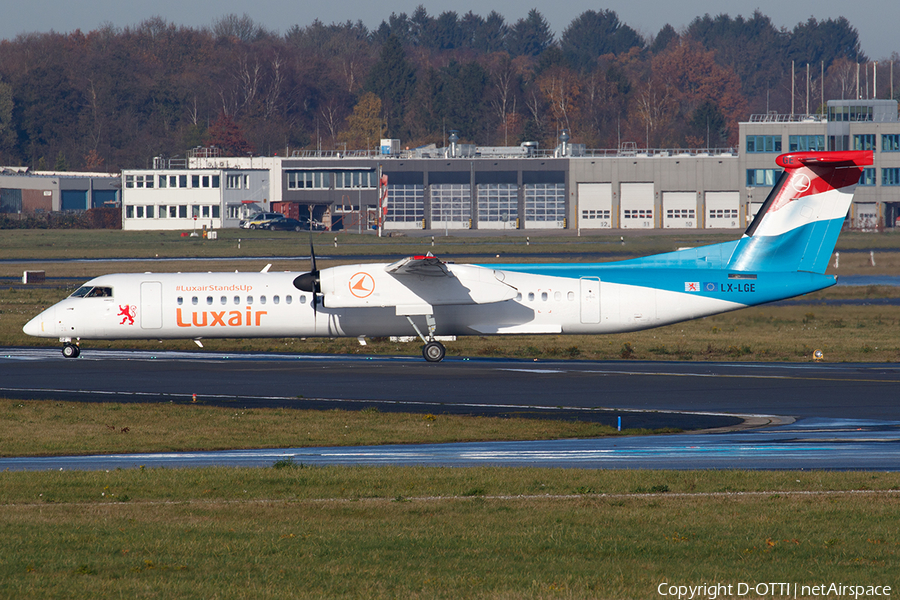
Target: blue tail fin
<point>798,225</point>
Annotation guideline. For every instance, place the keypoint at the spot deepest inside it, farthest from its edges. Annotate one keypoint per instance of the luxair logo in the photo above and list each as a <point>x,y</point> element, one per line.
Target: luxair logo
<point>801,183</point>
<point>362,285</point>
<point>224,318</point>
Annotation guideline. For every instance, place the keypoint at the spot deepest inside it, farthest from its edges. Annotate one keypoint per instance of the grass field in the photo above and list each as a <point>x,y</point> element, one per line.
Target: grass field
<point>333,532</point>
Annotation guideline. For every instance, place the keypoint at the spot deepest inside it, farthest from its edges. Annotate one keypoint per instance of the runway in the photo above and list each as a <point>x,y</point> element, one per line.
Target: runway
<point>819,416</point>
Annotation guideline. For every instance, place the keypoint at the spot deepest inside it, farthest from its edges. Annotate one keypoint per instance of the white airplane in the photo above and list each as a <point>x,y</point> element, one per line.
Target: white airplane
<point>782,254</point>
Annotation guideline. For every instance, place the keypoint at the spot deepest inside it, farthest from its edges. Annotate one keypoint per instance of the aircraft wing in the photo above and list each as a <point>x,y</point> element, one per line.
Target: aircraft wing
<point>413,283</point>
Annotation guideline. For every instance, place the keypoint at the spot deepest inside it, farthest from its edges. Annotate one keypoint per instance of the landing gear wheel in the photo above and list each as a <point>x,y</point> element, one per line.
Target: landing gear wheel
<point>434,351</point>
<point>71,351</point>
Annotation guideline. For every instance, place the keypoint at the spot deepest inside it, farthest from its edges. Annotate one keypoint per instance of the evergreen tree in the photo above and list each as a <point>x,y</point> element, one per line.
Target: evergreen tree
<point>462,94</point>
<point>666,36</point>
<point>491,34</point>
<point>593,34</point>
<point>530,36</point>
<point>814,42</point>
<point>393,80</point>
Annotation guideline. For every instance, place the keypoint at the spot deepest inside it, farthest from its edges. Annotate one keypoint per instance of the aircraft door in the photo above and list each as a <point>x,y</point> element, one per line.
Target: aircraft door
<point>151,305</point>
<point>590,299</point>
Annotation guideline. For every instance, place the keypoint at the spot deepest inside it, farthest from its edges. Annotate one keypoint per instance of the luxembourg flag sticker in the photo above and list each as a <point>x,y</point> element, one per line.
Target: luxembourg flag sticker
<point>692,286</point>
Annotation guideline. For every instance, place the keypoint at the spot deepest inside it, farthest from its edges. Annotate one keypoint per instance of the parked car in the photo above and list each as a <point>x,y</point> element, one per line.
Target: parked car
<point>286,225</point>
<point>256,221</point>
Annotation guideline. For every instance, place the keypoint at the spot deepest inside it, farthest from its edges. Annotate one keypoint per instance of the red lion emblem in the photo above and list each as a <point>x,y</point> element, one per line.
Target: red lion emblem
<point>127,313</point>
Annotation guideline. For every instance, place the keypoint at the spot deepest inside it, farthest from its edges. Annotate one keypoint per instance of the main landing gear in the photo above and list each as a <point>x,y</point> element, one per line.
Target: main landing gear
<point>433,351</point>
<point>70,350</point>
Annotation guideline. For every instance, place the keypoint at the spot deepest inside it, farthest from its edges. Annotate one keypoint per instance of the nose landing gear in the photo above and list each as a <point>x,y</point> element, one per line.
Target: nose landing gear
<point>70,350</point>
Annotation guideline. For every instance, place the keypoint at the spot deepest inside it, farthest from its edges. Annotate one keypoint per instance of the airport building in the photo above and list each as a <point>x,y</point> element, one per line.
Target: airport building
<point>464,186</point>
<point>26,192</point>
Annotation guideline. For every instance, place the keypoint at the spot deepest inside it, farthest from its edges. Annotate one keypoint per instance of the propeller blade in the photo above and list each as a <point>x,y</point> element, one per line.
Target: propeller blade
<point>309,282</point>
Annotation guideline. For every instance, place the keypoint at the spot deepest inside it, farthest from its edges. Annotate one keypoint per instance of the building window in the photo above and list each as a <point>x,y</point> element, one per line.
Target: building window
<point>195,181</point>
<point>182,181</point>
<point>680,213</point>
<point>890,176</point>
<point>849,113</point>
<point>182,211</point>
<point>316,180</point>
<point>139,181</point>
<point>641,213</point>
<point>806,143</point>
<point>723,213</point>
<point>545,202</point>
<point>762,177</point>
<point>890,142</point>
<point>864,141</point>
<point>216,211</point>
<point>129,211</point>
<point>173,212</point>
<point>867,177</point>
<point>763,143</point>
<point>163,180</point>
<point>215,181</point>
<point>163,211</point>
<point>351,180</point>
<point>233,182</point>
<point>150,212</point>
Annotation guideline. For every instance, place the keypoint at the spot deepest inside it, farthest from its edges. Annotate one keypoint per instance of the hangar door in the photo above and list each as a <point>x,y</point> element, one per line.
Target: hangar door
<point>723,210</point>
<point>73,199</point>
<point>680,210</point>
<point>151,305</point>
<point>595,205</point>
<point>636,206</point>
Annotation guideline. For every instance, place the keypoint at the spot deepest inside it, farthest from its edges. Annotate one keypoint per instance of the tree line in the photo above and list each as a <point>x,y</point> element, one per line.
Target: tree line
<point>115,98</point>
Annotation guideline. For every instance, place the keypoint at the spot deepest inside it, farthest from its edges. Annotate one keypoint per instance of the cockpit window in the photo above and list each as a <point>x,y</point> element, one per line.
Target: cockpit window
<point>87,291</point>
<point>100,292</point>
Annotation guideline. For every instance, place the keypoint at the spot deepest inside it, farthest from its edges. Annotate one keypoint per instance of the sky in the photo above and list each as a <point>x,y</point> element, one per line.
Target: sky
<point>876,20</point>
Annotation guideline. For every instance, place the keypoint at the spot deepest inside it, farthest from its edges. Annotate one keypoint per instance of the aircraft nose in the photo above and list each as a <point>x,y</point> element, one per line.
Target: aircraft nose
<point>41,325</point>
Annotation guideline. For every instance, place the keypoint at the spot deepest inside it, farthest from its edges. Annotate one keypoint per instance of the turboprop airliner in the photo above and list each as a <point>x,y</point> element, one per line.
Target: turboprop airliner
<point>783,253</point>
